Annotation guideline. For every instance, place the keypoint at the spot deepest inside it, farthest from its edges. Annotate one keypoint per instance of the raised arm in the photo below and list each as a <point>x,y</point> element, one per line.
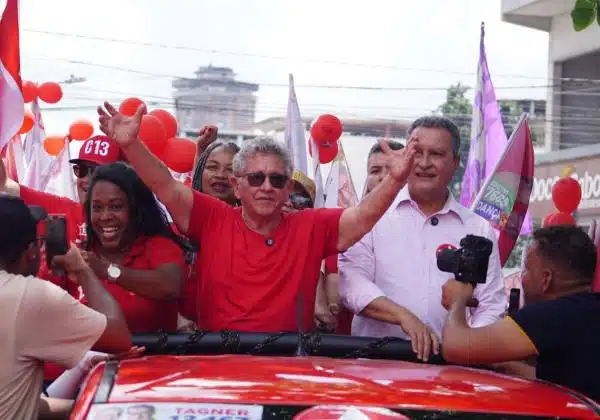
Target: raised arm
<point>358,220</point>
<point>177,198</point>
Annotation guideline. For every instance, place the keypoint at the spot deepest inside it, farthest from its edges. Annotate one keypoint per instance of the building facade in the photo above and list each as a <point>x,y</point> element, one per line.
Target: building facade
<point>573,100</point>
<point>214,97</point>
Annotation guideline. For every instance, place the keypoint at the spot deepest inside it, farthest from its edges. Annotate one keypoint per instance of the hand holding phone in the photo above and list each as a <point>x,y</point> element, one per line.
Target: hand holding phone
<point>72,262</point>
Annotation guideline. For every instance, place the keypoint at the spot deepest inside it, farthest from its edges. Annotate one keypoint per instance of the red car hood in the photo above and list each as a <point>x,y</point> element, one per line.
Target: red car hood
<point>316,381</point>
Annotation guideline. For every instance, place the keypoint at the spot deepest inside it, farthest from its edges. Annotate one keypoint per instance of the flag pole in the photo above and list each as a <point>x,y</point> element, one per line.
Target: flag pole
<point>524,117</point>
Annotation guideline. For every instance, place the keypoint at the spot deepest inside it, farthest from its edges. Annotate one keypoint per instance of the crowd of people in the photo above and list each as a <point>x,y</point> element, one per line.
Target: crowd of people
<point>239,245</point>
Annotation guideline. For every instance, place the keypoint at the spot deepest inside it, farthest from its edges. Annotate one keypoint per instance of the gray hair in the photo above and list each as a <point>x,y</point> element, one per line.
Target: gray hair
<point>439,122</point>
<point>262,145</point>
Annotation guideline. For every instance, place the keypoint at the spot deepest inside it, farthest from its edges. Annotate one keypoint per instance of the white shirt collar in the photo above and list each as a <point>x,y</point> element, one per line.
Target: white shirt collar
<point>451,204</point>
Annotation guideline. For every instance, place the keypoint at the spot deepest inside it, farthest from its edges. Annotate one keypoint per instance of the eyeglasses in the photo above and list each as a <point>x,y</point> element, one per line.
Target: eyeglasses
<point>256,179</point>
<point>81,170</point>
<point>300,201</point>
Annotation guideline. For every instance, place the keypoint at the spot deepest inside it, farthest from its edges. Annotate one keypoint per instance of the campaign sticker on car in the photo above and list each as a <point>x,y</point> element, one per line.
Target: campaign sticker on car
<point>175,411</point>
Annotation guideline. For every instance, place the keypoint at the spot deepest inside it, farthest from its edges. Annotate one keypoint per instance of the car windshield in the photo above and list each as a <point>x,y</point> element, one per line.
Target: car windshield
<point>216,411</point>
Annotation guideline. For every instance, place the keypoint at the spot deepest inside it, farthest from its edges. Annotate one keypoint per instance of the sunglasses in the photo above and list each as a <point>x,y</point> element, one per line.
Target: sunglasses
<point>300,201</point>
<point>256,179</point>
<point>81,171</point>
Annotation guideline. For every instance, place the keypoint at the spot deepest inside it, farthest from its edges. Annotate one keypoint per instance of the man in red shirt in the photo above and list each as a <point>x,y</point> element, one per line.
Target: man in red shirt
<point>256,264</point>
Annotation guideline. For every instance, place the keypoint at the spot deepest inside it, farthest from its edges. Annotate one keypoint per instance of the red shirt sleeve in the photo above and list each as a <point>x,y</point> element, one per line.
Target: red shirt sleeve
<point>205,211</point>
<point>327,224</point>
<point>331,264</point>
<point>52,203</point>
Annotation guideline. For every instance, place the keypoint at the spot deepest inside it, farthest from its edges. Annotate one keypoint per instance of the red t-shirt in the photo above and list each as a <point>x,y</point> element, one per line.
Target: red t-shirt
<point>243,283</point>
<point>146,315</point>
<point>344,325</point>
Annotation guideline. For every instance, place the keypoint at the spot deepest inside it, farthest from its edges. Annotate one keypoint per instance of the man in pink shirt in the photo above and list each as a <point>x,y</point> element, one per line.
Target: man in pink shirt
<point>390,279</point>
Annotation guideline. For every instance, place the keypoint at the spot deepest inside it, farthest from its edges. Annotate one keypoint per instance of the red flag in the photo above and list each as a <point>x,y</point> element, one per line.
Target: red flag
<point>11,98</point>
<point>504,199</point>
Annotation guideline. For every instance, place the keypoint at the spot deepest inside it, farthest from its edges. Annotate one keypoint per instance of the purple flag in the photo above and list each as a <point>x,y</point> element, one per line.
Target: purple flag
<point>488,138</point>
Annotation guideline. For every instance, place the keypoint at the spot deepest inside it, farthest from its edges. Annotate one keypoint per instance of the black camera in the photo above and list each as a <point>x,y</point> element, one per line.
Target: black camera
<point>469,263</point>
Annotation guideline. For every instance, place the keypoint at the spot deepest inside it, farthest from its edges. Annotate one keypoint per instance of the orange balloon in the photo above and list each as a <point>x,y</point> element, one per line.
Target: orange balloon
<point>81,130</point>
<point>179,153</point>
<point>28,121</point>
<point>152,133</point>
<point>54,144</point>
<point>129,106</point>
<point>50,92</point>
<point>168,121</point>
<point>30,91</point>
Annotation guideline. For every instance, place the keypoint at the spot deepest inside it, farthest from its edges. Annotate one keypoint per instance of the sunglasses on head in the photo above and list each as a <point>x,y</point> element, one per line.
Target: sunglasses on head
<point>300,201</point>
<point>256,179</point>
<point>82,170</point>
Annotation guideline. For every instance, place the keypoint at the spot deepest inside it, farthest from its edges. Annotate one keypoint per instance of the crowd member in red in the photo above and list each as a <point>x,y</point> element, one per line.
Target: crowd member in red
<point>254,261</point>
<point>213,170</point>
<point>98,150</point>
<point>211,176</point>
<point>132,247</point>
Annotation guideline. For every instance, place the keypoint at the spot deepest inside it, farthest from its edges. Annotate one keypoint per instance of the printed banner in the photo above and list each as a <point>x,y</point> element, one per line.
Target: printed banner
<point>175,411</point>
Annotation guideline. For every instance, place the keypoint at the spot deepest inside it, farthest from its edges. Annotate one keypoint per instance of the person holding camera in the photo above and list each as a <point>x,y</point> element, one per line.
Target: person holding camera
<point>390,278</point>
<point>42,322</point>
<point>560,322</point>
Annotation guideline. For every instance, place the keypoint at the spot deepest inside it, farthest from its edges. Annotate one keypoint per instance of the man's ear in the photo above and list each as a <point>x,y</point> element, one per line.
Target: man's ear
<point>456,161</point>
<point>235,184</point>
<point>547,278</point>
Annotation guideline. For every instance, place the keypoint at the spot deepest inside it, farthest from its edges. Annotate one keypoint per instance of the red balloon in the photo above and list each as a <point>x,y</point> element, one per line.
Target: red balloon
<point>28,121</point>
<point>30,91</point>
<point>129,106</point>
<point>179,154</point>
<point>326,129</point>
<point>558,218</point>
<point>327,151</point>
<point>81,130</point>
<point>54,144</point>
<point>168,121</point>
<point>152,133</point>
<point>566,194</point>
<point>50,92</point>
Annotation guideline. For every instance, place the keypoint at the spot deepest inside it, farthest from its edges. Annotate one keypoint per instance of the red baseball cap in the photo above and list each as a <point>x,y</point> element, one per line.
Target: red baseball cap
<point>100,150</point>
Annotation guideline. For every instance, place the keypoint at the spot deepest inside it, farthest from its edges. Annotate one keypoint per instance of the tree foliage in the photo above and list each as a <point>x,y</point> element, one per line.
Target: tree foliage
<point>584,13</point>
<point>458,108</point>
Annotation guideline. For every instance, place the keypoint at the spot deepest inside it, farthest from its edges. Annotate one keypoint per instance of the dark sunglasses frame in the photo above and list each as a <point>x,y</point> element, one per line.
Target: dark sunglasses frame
<point>256,179</point>
<point>81,170</point>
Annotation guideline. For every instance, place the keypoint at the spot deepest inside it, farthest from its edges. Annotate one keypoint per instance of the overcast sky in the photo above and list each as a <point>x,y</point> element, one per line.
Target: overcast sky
<point>421,45</point>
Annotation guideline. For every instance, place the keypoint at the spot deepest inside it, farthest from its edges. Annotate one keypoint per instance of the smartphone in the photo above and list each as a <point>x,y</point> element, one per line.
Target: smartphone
<point>514,301</point>
<point>56,240</point>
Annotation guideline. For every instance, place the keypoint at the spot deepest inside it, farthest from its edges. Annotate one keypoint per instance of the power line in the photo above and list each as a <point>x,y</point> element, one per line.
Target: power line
<point>281,85</point>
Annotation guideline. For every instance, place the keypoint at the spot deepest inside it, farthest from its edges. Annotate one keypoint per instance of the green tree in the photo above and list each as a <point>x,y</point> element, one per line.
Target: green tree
<point>458,108</point>
<point>584,13</point>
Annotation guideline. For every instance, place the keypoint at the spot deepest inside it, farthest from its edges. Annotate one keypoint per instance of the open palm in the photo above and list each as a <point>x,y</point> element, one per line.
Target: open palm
<point>121,128</point>
<point>399,162</point>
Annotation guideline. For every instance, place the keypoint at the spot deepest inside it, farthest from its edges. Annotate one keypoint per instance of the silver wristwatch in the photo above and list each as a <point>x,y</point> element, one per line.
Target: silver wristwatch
<point>114,272</point>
